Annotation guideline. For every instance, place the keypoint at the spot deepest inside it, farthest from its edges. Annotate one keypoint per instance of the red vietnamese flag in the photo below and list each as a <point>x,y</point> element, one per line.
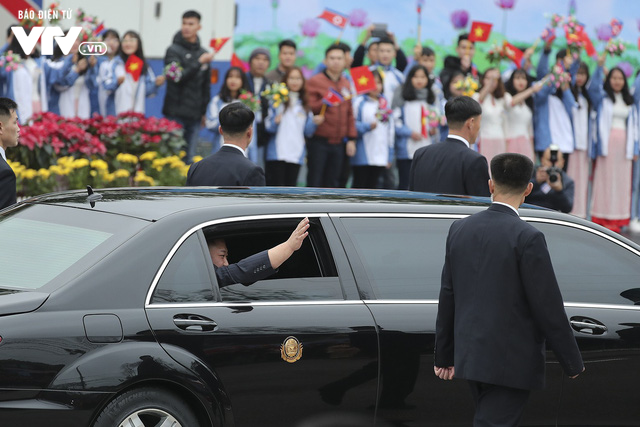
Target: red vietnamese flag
<point>237,62</point>
<point>586,42</point>
<point>217,44</point>
<point>334,18</point>
<point>423,122</point>
<point>513,53</point>
<point>479,31</point>
<point>134,66</point>
<point>363,79</point>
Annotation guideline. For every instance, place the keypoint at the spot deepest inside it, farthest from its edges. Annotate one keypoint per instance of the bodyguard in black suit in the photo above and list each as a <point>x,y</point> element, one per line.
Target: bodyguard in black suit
<point>258,266</point>
<point>452,167</point>
<point>500,304</point>
<point>9,133</point>
<point>230,166</point>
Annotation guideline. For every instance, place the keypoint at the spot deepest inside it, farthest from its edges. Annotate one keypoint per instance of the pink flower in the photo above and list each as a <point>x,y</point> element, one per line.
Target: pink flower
<point>8,69</point>
<point>310,27</point>
<point>358,18</point>
<point>9,58</point>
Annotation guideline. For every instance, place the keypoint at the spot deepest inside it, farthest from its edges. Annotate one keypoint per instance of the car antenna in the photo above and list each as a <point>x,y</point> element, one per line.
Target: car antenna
<point>93,197</point>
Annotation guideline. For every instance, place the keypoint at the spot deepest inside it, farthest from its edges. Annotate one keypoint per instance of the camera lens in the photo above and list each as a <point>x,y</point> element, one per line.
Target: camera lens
<point>553,177</point>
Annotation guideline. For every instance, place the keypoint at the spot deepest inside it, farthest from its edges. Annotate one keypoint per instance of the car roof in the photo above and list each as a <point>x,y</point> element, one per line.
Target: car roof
<point>154,203</point>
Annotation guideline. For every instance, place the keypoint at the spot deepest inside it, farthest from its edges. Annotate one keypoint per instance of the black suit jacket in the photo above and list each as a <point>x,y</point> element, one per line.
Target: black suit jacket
<point>263,136</point>
<point>247,271</point>
<point>7,185</point>
<point>500,302</point>
<point>449,167</point>
<point>228,167</point>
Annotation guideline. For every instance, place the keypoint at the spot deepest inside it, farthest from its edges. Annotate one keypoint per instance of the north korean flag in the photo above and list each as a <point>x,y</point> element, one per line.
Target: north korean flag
<point>332,98</point>
<point>334,18</point>
<point>133,66</point>
<point>363,79</point>
<point>479,31</point>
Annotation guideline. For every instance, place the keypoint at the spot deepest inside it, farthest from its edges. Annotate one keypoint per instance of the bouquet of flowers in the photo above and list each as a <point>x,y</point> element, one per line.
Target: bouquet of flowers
<point>277,94</point>
<point>468,85</point>
<point>572,29</point>
<point>10,61</point>
<point>250,100</point>
<point>558,76</point>
<point>31,20</point>
<point>173,71</point>
<point>55,13</point>
<point>89,25</point>
<point>615,48</point>
<point>556,20</point>
<point>383,115</point>
<point>435,119</point>
<point>495,54</point>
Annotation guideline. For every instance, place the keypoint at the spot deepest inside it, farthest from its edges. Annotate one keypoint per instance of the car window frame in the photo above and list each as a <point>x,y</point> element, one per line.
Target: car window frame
<point>199,228</point>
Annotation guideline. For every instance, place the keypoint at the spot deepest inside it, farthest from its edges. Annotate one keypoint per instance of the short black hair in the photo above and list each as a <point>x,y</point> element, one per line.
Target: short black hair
<point>236,118</point>
<point>373,43</point>
<point>287,42</point>
<point>511,172</point>
<point>459,109</point>
<point>345,46</point>
<point>111,32</point>
<point>463,36</point>
<point>192,14</point>
<point>334,46</point>
<point>7,105</point>
<point>386,40</point>
<point>427,51</point>
<point>561,54</point>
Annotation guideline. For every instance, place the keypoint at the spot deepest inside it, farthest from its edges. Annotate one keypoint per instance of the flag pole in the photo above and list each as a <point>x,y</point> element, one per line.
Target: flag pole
<point>323,109</point>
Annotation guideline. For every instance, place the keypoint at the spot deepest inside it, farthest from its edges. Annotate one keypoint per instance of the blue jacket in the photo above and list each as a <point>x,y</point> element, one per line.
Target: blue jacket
<point>360,158</point>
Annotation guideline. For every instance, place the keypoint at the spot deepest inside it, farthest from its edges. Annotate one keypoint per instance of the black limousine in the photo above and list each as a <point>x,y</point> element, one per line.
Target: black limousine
<point>110,314</point>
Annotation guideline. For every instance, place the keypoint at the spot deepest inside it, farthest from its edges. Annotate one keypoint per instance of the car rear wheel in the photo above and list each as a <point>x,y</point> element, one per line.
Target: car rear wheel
<point>147,407</point>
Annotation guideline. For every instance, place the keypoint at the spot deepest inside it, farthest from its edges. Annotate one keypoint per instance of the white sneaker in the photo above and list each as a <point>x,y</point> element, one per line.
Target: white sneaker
<point>634,226</point>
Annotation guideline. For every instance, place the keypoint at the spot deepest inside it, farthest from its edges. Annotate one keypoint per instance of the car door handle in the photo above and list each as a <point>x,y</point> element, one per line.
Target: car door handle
<point>591,328</point>
<point>194,322</point>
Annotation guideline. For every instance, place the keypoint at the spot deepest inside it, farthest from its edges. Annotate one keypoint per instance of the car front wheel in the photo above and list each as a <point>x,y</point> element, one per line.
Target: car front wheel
<point>147,407</point>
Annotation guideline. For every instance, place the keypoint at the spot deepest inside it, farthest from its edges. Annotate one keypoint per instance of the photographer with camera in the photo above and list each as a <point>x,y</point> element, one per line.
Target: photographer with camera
<point>552,187</point>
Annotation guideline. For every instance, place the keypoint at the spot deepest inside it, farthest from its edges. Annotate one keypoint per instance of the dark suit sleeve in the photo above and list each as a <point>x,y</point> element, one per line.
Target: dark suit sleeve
<point>563,200</point>
<point>444,349</point>
<point>247,271</point>
<point>545,302</point>
<point>476,178</point>
<point>255,178</point>
<point>7,188</point>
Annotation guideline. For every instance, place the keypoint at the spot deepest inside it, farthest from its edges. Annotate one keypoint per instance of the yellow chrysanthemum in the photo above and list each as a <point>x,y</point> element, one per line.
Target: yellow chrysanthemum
<point>284,91</point>
<point>108,177</point>
<point>142,177</point>
<point>196,159</point>
<point>121,173</point>
<point>79,163</point>
<point>149,155</point>
<point>44,173</point>
<point>127,158</point>
<point>93,173</point>
<point>182,154</point>
<point>55,169</point>
<point>100,165</point>
<point>29,174</point>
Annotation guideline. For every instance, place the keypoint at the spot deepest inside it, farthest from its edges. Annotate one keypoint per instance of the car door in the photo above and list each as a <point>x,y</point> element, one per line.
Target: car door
<point>397,261</point>
<point>599,276</point>
<point>283,348</point>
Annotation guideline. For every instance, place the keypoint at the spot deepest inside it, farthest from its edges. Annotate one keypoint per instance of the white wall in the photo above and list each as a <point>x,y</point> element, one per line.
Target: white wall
<point>218,18</point>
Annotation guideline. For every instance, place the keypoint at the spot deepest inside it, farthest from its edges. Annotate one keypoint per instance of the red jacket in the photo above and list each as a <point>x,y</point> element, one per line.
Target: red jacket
<point>339,121</point>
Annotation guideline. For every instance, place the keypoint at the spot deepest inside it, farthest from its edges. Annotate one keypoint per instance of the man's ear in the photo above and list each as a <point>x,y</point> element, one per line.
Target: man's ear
<point>220,130</point>
<point>529,189</point>
<point>492,187</point>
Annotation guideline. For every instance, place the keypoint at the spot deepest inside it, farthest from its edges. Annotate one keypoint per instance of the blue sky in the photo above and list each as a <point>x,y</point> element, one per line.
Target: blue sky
<point>525,21</point>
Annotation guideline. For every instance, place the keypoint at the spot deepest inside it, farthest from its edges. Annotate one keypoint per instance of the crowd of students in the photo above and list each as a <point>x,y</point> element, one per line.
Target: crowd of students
<point>371,138</point>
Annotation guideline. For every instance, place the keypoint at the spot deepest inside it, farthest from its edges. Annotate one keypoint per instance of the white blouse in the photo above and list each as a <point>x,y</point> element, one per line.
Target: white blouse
<point>493,115</point>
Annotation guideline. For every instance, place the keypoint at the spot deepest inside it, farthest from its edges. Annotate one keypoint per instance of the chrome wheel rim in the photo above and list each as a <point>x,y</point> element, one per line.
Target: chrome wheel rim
<point>150,418</point>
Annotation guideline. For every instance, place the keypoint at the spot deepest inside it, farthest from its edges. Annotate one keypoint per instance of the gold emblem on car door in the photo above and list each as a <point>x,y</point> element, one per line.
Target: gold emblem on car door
<point>291,349</point>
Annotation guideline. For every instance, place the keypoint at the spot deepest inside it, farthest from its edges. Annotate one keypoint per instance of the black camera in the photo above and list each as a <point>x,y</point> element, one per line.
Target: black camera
<point>553,171</point>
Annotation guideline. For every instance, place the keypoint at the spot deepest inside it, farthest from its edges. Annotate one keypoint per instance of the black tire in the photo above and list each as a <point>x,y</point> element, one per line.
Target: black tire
<point>151,406</point>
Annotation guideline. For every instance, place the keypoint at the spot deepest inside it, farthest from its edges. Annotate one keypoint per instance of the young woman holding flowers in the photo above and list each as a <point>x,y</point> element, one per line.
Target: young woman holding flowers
<point>519,114</point>
<point>411,101</point>
<point>374,146</point>
<point>583,119</point>
<point>289,121</point>
<point>107,79</point>
<point>616,145</point>
<point>131,95</point>
<point>494,101</point>
<point>236,84</point>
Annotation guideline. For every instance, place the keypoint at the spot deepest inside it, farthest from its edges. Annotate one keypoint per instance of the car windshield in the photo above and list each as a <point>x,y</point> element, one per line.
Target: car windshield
<point>41,243</point>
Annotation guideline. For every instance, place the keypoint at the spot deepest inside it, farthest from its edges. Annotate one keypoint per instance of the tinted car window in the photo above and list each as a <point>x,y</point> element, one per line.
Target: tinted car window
<point>590,268</point>
<point>403,257</point>
<point>309,275</point>
<point>41,243</point>
<point>186,277</point>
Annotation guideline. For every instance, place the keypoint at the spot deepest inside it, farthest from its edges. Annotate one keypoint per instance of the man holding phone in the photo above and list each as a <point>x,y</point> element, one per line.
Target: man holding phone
<point>378,31</point>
